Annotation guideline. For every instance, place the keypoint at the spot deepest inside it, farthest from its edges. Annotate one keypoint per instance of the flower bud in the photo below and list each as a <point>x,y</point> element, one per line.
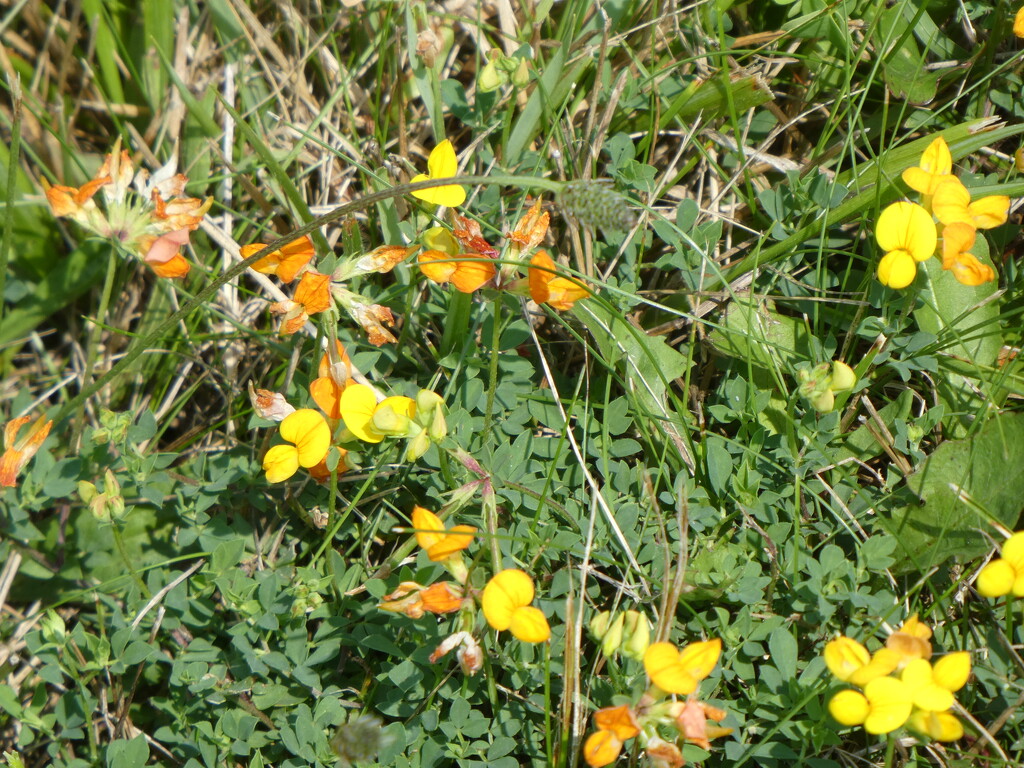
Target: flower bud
<point>490,78</point>
<point>417,446</point>
<point>613,637</point>
<point>521,77</point>
<point>440,239</point>
<point>637,635</point>
<point>599,624</point>
<point>843,377</point>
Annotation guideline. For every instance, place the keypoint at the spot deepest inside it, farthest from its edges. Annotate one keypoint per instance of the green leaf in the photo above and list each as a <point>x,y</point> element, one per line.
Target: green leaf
<point>783,649</point>
<point>904,64</point>
<point>124,753</point>
<point>965,487</point>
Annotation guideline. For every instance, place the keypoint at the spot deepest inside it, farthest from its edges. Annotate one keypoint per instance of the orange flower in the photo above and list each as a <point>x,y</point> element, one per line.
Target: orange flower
<point>18,452</point>
<point>383,258</point>
<point>438,543</point>
<point>957,240</point>
<point>333,377</point>
<point>71,201</point>
<point>285,262</point>
<point>547,287</point>
<point>312,296</point>
<point>467,276</point>
<point>163,256</point>
<point>692,721</point>
<point>181,212</point>
<point>601,748</point>
<point>443,597</point>
<point>619,720</point>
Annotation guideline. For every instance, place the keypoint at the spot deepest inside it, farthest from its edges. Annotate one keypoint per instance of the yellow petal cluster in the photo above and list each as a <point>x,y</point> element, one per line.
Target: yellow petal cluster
<point>506,604</point>
<point>439,543</point>
<point>899,685</point>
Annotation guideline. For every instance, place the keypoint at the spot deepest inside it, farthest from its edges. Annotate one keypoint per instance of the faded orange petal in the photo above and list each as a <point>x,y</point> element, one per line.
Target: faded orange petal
<point>469,235</point>
<point>384,258</point>
<point>19,451</point>
<point>326,368</point>
<point>532,228</point>
<point>372,318</point>
<point>62,200</point>
<point>285,262</point>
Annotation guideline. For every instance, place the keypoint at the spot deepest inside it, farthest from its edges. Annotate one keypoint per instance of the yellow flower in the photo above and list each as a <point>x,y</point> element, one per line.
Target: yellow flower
<point>844,656</point>
<point>675,671</point>
<point>310,439</point>
<point>957,240</point>
<point>884,706</point>
<point>506,604</point>
<point>371,421</point>
<point>286,262</point>
<point>441,164</point>
<point>911,641</point>
<point>952,202</point>
<point>940,726</point>
<point>926,691</point>
<point>601,748</point>
<point>438,543</point>
<point>17,452</point>
<point>906,232</point>
<point>547,287</point>
<point>1004,575</point>
<point>936,165</point>
<point>1018,23</point>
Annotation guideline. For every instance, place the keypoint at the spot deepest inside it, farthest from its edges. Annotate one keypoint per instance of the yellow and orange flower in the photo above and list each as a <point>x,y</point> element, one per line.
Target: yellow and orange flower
<point>546,287</point>
<point>313,295</point>
<point>18,451</point>
<point>285,262</point>
<point>438,542</point>
<point>309,440</point>
<point>467,272</point>
<point>332,379</point>
<point>680,671</point>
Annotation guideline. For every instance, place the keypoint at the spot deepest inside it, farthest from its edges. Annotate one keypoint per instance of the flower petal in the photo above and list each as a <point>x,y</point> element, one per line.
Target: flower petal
<point>357,404</point>
<point>849,707</point>
<point>310,433</point>
<point>909,227</point>
<point>897,269</point>
<point>601,748</point>
<point>891,704</point>
<point>529,625</point>
<point>280,463</point>
<point>844,656</point>
<point>429,528</point>
<point>952,670</point>
<point>996,579</point>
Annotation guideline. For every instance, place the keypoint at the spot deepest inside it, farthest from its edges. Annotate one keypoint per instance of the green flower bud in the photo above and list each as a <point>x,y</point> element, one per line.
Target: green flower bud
<point>521,77</point>
<point>417,446</point>
<point>637,635</point>
<point>440,239</point>
<point>843,377</point>
<point>490,78</point>
<point>613,637</point>
<point>599,624</point>
<point>86,491</point>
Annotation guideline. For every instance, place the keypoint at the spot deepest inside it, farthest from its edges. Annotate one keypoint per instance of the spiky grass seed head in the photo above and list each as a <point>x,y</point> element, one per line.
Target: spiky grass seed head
<point>594,204</point>
<point>359,740</point>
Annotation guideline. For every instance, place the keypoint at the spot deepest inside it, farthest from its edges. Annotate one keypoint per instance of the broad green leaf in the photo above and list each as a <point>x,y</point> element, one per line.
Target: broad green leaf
<point>965,487</point>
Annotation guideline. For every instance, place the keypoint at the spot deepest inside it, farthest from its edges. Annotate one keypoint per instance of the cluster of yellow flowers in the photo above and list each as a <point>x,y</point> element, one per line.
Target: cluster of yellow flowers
<point>907,232</point>
<point>898,684</point>
<point>506,600</point>
<point>146,216</point>
<point>309,433</point>
<point>671,671</point>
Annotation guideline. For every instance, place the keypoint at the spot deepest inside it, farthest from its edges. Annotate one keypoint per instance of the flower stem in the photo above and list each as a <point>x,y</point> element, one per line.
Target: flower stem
<point>492,383</point>
<point>890,750</point>
<point>119,543</point>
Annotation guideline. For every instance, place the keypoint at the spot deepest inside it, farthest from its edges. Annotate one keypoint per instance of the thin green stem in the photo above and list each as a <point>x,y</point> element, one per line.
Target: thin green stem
<point>207,293</point>
<point>12,179</point>
<point>890,750</point>
<point>119,543</point>
<point>101,317</point>
<point>492,383</point>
